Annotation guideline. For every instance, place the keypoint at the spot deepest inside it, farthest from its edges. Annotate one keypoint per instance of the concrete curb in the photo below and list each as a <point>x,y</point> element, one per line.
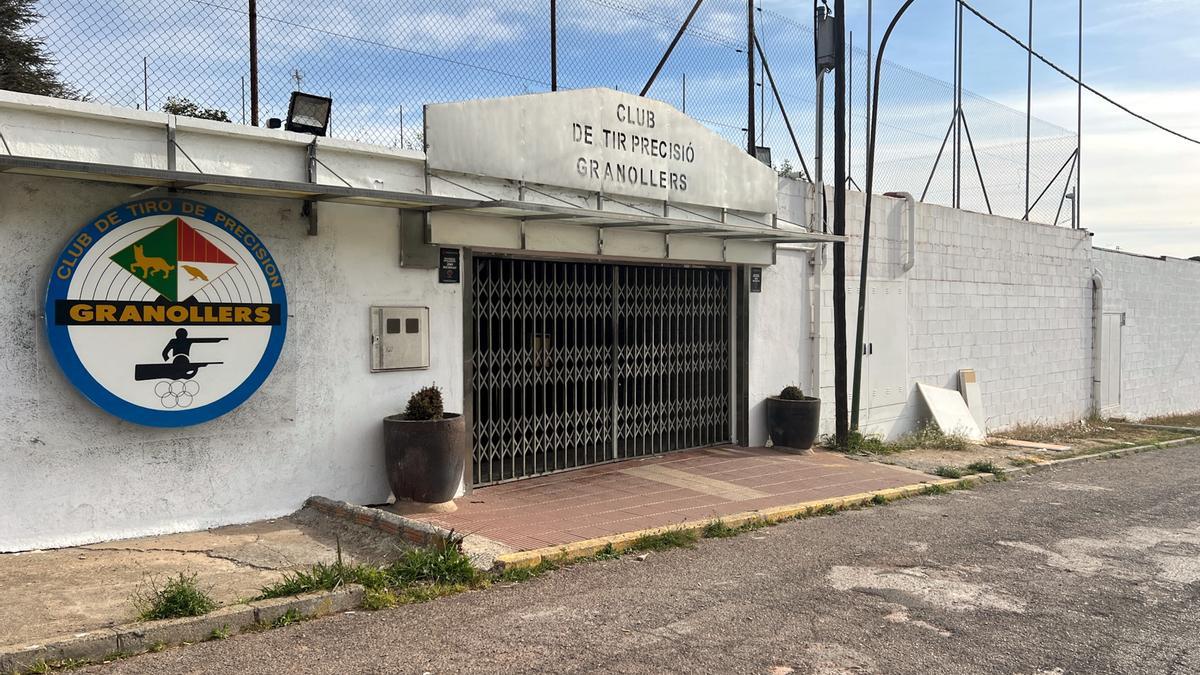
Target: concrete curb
<point>134,638</point>
<point>413,531</point>
<point>1106,454</point>
<point>481,550</point>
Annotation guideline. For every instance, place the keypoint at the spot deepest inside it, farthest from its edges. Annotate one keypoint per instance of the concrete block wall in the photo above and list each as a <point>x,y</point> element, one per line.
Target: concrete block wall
<point>1008,298</point>
<point>1160,342</point>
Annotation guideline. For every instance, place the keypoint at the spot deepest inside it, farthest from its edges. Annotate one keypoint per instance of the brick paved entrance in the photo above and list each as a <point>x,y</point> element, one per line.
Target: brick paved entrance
<point>659,491</point>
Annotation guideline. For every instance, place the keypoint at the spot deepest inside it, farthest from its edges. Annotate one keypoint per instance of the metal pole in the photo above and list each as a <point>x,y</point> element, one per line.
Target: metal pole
<point>819,143</point>
<point>842,423</point>
<point>1075,203</point>
<point>850,107</point>
<point>253,63</point>
<point>671,47</point>
<point>962,119</point>
<point>750,144</point>
<point>762,94</point>
<point>145,83</point>
<point>870,45</point>
<point>866,238</point>
<point>1028,104</point>
<point>819,131</point>
<point>958,116</point>
<point>954,106</point>
<point>553,45</point>
<point>762,56</point>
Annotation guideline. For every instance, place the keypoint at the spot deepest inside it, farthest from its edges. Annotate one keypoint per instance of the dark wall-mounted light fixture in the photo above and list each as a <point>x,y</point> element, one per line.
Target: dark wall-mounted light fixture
<point>308,113</point>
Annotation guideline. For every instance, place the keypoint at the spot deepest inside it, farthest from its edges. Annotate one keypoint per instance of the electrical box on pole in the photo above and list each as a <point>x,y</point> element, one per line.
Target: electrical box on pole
<point>825,40</point>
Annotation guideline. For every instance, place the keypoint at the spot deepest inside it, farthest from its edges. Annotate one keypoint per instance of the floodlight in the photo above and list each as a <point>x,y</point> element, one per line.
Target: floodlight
<point>308,113</point>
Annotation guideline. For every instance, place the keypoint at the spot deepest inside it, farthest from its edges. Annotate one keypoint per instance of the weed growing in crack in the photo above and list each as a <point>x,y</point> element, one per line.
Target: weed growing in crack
<point>665,540</point>
<point>717,529</point>
<point>177,597</point>
<point>987,466</point>
<point>948,472</point>
<point>292,616</point>
<point>444,564</point>
<point>378,598</point>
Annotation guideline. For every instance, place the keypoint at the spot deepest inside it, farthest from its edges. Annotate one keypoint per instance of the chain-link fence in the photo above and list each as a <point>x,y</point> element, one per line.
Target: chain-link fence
<point>381,61</point>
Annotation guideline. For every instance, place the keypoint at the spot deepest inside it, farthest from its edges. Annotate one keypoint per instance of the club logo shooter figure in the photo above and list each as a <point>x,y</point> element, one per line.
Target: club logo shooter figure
<point>159,267</point>
<point>176,387</point>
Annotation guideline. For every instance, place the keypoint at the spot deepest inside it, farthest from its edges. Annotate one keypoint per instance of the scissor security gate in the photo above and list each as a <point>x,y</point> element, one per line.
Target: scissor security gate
<point>578,363</point>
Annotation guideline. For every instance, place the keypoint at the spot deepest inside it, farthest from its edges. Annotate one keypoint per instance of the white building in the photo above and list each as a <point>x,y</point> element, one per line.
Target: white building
<point>587,275</point>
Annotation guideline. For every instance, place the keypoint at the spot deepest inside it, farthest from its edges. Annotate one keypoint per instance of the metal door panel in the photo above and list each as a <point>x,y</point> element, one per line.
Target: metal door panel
<point>578,363</point>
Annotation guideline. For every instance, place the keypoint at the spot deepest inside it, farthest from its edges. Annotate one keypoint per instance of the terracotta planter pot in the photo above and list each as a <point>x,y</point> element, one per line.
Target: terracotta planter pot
<point>793,424</point>
<point>425,458</point>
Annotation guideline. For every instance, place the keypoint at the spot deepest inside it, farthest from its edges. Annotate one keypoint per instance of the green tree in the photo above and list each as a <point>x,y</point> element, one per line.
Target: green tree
<point>178,105</point>
<point>25,65</point>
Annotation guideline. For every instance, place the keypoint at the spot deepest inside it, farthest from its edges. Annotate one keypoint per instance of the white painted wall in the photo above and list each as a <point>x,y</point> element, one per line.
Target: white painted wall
<point>1008,298</point>
<point>780,341</point>
<point>74,474</point>
<point>1160,341</point>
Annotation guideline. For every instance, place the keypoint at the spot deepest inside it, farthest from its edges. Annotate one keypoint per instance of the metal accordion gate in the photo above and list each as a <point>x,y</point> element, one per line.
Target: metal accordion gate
<point>580,363</point>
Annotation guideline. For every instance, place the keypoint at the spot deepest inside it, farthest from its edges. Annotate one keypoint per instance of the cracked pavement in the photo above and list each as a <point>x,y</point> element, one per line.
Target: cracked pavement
<point>45,594</point>
<point>1087,568</point>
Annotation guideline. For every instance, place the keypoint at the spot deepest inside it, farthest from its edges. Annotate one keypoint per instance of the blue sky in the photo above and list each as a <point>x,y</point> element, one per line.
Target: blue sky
<point>382,60</point>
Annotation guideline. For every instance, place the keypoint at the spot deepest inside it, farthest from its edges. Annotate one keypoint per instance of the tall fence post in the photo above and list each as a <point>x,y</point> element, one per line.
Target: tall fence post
<point>1028,104</point>
<point>1075,203</point>
<point>253,62</point>
<point>553,45</point>
<point>841,411</point>
<point>750,144</point>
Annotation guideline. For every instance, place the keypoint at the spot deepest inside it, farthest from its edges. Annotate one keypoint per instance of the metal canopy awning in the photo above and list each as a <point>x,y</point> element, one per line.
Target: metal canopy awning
<point>570,215</point>
<point>496,208</point>
<point>146,177</point>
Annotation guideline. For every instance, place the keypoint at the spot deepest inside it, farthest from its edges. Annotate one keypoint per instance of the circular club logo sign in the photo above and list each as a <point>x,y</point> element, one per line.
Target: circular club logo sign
<point>166,312</point>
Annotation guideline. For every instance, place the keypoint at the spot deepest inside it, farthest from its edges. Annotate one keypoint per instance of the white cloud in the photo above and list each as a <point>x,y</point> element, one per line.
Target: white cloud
<point>1139,183</point>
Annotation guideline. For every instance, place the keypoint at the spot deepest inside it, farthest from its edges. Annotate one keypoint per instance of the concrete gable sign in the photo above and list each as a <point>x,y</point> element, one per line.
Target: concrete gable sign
<point>597,140</point>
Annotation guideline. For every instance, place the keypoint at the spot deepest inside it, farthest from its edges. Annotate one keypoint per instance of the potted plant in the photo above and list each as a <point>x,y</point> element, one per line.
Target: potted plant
<point>792,419</point>
<point>425,450</point>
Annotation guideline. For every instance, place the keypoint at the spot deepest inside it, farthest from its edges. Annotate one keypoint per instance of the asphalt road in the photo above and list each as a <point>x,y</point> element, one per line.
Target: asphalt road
<point>1092,568</point>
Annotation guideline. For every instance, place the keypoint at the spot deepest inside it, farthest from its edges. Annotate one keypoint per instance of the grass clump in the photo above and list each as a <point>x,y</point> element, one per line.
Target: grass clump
<point>1022,461</point>
<point>322,577</point>
<point>292,616</point>
<point>665,540</point>
<point>177,597</point>
<point>717,529</point>
<point>948,472</point>
<point>221,633</point>
<point>1176,420</point>
<point>927,436</point>
<point>378,598</point>
<point>442,564</point>
<point>879,500</point>
<point>1037,432</point>
<point>984,466</point>
<point>418,575</point>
